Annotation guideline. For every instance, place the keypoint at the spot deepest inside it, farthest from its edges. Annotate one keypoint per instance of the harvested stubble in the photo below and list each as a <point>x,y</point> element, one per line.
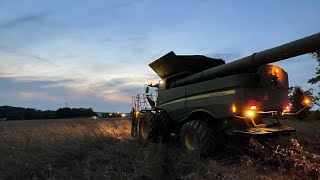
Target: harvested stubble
<point>100,149</point>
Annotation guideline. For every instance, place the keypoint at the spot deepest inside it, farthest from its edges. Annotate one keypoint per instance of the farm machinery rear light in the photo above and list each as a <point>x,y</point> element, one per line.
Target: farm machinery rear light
<point>274,71</point>
<point>286,108</point>
<point>252,110</point>
<point>233,108</point>
<point>250,113</point>
<point>253,107</point>
<point>306,101</point>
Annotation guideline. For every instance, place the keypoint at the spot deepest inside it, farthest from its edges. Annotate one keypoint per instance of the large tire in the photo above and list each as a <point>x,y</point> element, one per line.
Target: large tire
<point>149,127</point>
<point>165,126</point>
<point>197,136</point>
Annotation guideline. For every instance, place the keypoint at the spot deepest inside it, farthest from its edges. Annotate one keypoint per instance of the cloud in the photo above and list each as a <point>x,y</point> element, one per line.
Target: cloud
<point>117,90</point>
<point>13,53</point>
<point>112,92</point>
<point>40,59</point>
<point>24,19</point>
<point>20,65</point>
<point>116,97</point>
<point>225,56</point>
<point>38,96</point>
<point>115,82</point>
<point>105,82</point>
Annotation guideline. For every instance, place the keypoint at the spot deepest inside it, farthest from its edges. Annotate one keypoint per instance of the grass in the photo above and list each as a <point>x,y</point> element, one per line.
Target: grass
<point>100,149</point>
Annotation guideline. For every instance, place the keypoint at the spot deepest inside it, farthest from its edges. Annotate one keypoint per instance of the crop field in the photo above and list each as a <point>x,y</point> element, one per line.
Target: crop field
<point>103,149</point>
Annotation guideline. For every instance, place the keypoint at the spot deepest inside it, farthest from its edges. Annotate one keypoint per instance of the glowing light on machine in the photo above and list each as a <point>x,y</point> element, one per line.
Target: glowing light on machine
<point>306,101</point>
<point>253,107</point>
<point>233,108</point>
<point>137,114</point>
<point>161,82</point>
<point>287,107</point>
<point>275,71</point>
<point>250,113</point>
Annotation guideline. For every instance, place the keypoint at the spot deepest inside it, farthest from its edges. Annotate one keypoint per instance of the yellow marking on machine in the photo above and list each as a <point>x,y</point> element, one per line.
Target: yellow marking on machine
<point>201,96</point>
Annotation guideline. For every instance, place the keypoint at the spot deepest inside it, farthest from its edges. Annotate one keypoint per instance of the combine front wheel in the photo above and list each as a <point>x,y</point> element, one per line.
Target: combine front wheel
<point>149,127</point>
<point>197,136</point>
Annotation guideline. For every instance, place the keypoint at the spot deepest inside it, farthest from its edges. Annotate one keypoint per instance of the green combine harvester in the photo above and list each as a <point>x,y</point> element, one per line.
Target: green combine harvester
<point>203,99</point>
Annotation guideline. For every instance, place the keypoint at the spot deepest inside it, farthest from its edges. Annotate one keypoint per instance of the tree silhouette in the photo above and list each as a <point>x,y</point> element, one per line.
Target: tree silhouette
<point>316,79</point>
<point>296,97</point>
<point>18,113</point>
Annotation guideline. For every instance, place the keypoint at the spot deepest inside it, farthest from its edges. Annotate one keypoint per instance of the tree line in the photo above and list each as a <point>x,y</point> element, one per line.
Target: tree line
<point>19,113</point>
<point>297,94</point>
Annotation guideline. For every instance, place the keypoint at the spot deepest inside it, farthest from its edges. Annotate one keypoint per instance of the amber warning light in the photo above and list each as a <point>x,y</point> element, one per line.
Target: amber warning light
<point>252,110</point>
<point>306,101</point>
<point>274,71</point>
<point>250,113</point>
<point>233,108</point>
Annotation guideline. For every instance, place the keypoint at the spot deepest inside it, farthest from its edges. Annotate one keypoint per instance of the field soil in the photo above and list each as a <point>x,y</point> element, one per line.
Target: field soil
<point>103,149</point>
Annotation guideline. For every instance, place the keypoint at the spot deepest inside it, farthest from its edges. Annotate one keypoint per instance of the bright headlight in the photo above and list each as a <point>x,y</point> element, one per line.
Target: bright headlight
<point>250,113</point>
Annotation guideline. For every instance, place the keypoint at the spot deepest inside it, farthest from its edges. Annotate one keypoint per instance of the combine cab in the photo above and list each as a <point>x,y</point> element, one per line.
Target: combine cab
<point>202,98</point>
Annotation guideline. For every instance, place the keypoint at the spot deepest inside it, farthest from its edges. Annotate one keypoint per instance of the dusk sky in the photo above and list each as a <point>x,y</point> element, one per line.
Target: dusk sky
<point>96,53</point>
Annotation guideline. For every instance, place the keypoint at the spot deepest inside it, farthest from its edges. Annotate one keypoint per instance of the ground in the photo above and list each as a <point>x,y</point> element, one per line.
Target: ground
<point>103,149</point>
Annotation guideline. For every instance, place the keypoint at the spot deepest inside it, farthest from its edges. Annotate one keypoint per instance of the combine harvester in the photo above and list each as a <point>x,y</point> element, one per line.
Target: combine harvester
<point>202,99</point>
